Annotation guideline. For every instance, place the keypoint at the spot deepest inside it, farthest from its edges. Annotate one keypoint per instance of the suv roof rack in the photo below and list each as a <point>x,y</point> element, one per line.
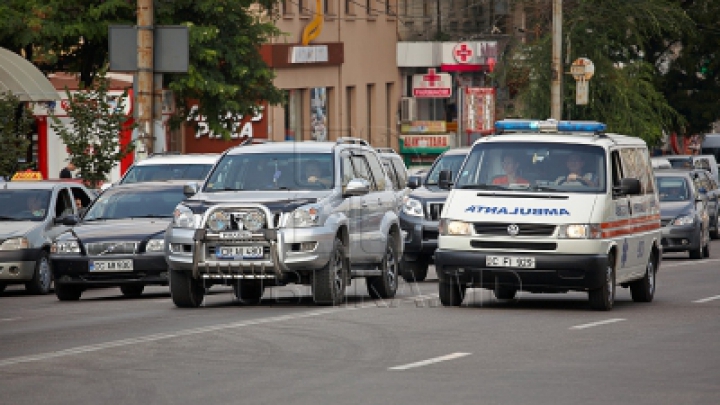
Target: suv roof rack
<point>351,140</point>
<point>385,150</point>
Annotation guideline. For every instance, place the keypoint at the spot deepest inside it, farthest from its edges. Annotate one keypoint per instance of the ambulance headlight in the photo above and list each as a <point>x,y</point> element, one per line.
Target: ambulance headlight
<point>454,228</point>
<point>684,220</point>
<point>580,231</point>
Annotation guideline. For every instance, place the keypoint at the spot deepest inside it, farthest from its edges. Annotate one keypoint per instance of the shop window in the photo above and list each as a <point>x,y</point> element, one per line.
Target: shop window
<point>318,114</point>
<point>293,115</point>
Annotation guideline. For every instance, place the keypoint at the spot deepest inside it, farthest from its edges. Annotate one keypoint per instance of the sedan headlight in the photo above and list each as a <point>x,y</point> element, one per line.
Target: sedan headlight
<point>412,207</point>
<point>253,221</point>
<point>684,220</point>
<point>218,221</point>
<point>580,231</point>
<point>15,244</point>
<point>155,245</point>
<point>183,217</point>
<point>304,217</point>
<point>65,247</point>
<point>455,228</point>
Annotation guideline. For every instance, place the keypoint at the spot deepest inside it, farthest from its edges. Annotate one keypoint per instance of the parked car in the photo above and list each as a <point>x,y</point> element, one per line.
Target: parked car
<point>684,214</point>
<point>396,171</point>
<point>32,214</point>
<point>119,242</point>
<point>706,162</point>
<point>659,162</point>
<point>421,212</point>
<point>262,219</point>
<point>168,166</point>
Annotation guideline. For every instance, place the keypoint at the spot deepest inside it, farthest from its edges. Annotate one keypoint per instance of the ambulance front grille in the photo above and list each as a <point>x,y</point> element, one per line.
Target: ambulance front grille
<point>503,229</point>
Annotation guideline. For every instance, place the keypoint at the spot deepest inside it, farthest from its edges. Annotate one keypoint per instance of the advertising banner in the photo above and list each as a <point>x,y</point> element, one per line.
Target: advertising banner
<point>479,111</point>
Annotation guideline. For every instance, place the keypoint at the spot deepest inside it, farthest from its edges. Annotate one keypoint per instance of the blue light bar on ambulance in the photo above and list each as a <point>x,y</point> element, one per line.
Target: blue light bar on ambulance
<point>549,126</point>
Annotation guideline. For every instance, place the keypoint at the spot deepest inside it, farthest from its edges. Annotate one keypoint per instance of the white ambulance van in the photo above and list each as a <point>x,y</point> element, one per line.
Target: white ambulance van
<point>551,206</point>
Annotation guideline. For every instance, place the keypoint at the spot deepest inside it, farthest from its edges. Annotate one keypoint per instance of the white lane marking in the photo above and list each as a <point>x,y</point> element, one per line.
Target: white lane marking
<point>430,361</point>
<point>9,319</point>
<point>189,332</point>
<point>590,325</point>
<point>700,301</point>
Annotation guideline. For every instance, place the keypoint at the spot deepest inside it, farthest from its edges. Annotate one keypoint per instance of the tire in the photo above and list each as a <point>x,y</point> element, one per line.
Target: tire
<point>68,292</point>
<point>328,285</point>
<point>42,276</point>
<point>706,250</point>
<point>505,293</point>
<point>643,290</point>
<point>132,290</point>
<point>3,286</point>
<point>603,298</point>
<point>186,292</point>
<point>698,253</point>
<point>451,293</point>
<point>386,285</point>
<point>715,232</point>
<point>248,292</point>
<point>415,271</point>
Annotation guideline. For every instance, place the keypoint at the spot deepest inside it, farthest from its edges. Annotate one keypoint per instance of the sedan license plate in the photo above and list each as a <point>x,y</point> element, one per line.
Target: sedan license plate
<point>510,261</point>
<point>239,252</point>
<point>111,265</point>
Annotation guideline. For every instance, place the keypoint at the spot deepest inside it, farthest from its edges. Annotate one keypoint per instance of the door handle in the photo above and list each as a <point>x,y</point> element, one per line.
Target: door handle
<point>364,205</point>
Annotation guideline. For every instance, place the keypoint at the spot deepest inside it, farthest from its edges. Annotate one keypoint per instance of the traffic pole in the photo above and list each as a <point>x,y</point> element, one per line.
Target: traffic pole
<point>556,79</point>
<point>144,98</point>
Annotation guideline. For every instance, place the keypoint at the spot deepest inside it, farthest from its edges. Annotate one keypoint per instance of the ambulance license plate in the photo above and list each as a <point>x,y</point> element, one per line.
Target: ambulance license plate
<point>239,252</point>
<point>523,262</point>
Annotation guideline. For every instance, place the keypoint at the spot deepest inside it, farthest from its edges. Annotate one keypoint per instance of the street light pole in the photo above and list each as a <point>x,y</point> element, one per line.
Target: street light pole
<point>556,79</point>
<point>144,98</point>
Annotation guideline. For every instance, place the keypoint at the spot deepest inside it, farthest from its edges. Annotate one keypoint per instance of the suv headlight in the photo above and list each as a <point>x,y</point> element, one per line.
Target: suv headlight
<point>412,207</point>
<point>253,220</point>
<point>155,245</point>
<point>65,247</point>
<point>304,217</point>
<point>579,231</point>
<point>448,227</point>
<point>218,221</point>
<point>183,217</point>
<point>15,244</point>
<point>684,220</point>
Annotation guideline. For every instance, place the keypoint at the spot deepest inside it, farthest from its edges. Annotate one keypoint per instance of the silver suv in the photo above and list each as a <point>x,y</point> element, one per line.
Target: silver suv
<point>312,213</point>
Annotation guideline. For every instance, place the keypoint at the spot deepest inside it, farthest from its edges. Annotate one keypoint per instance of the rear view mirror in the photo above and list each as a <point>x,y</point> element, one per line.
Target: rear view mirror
<point>445,180</point>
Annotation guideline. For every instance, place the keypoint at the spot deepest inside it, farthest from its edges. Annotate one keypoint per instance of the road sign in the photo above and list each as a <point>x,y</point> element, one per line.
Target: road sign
<point>582,69</point>
<point>582,92</point>
<point>171,52</point>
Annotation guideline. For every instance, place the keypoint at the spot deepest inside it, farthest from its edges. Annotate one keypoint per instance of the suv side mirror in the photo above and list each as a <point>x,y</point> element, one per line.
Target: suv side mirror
<point>628,186</point>
<point>68,220</point>
<point>190,189</point>
<point>445,180</point>
<point>414,182</point>
<point>357,187</point>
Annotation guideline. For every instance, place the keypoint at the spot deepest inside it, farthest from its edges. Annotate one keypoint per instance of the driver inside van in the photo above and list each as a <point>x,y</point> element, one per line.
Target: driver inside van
<point>576,173</point>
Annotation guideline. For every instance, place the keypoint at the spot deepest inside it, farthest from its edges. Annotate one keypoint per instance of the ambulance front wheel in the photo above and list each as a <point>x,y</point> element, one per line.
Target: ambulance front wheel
<point>602,298</point>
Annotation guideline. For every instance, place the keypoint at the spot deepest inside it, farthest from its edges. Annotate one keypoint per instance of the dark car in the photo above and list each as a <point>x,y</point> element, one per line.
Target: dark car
<point>705,183</point>
<point>421,212</point>
<point>119,242</point>
<point>684,214</point>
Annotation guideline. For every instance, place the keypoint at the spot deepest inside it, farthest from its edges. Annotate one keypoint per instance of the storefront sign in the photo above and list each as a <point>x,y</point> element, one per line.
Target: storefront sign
<point>425,141</point>
<point>432,85</point>
<point>309,54</point>
<point>423,127</point>
<point>479,111</point>
<point>200,139</point>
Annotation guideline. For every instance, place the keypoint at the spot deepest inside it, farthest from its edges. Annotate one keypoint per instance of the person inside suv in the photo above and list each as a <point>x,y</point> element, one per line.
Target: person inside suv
<point>314,174</point>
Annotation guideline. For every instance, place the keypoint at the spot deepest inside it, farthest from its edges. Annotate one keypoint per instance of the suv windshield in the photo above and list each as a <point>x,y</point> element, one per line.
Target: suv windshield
<point>272,171</point>
<point>175,171</point>
<point>445,162</point>
<point>24,205</point>
<point>534,166</point>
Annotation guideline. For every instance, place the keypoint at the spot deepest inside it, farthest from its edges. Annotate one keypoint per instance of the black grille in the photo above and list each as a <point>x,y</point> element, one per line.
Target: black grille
<point>501,229</point>
<point>434,210</point>
<point>513,245</point>
<point>665,221</point>
<point>430,235</point>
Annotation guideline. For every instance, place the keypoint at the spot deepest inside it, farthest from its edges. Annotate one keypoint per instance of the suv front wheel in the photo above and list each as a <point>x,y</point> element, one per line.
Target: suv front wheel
<point>186,291</point>
<point>386,284</point>
<point>328,286</point>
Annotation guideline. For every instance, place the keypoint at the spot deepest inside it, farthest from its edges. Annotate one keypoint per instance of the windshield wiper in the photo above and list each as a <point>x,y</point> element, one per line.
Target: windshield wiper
<point>482,187</point>
<point>544,188</point>
<point>150,216</point>
<point>3,218</point>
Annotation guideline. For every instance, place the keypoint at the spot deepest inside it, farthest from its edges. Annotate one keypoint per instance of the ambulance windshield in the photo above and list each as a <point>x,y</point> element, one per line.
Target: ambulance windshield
<point>534,166</point>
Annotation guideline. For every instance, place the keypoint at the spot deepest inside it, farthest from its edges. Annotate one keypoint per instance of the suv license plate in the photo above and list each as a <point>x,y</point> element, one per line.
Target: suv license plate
<point>239,252</point>
<point>111,265</point>
<point>510,261</point>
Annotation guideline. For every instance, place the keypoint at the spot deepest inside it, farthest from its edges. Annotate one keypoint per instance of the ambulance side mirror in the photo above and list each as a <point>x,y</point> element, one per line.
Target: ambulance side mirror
<point>628,186</point>
<point>445,180</point>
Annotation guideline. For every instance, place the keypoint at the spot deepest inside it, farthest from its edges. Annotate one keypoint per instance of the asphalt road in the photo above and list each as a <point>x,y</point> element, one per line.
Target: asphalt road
<point>539,349</point>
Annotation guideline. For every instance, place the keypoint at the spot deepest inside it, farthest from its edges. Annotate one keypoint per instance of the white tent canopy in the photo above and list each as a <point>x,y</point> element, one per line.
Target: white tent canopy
<point>21,78</point>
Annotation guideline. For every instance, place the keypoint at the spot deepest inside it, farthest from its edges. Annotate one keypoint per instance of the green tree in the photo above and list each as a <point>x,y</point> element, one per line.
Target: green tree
<point>92,137</point>
<point>15,125</point>
<point>226,73</point>
<point>614,35</point>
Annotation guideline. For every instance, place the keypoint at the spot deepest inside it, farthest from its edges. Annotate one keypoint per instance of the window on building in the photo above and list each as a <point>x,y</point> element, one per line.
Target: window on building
<point>293,115</point>
<point>370,103</point>
<point>350,110</point>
